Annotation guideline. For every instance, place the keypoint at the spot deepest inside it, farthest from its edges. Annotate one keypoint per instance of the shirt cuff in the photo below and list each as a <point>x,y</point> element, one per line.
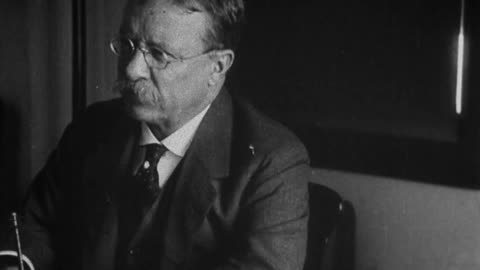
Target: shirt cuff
<point>15,254</point>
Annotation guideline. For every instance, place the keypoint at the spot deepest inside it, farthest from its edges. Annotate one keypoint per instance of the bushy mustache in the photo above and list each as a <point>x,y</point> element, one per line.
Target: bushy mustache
<point>123,86</point>
<point>143,90</point>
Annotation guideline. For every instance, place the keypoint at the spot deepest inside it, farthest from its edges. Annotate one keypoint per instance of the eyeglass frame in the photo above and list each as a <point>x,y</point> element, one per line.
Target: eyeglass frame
<point>145,50</point>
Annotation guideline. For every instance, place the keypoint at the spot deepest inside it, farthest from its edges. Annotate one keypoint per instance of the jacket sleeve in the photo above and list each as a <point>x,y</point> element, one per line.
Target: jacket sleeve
<point>45,206</point>
<point>274,215</point>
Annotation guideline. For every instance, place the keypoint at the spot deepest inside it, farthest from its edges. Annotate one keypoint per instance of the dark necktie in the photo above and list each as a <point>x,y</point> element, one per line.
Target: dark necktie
<point>147,175</point>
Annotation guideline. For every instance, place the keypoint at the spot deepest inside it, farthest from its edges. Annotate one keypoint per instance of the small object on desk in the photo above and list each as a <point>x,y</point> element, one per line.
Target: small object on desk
<point>19,245</point>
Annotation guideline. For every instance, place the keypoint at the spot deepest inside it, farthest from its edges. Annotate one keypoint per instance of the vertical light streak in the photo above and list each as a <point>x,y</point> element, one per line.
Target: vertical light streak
<point>460,61</point>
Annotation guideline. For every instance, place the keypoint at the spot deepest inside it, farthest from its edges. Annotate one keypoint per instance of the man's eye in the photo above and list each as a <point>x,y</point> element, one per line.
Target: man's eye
<point>158,55</point>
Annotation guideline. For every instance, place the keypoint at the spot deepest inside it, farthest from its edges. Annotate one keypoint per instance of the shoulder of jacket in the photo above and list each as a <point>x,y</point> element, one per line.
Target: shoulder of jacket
<point>266,138</point>
<point>99,122</point>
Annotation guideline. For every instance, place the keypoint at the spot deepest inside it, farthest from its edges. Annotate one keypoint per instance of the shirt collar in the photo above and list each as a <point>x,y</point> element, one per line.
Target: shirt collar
<point>177,142</point>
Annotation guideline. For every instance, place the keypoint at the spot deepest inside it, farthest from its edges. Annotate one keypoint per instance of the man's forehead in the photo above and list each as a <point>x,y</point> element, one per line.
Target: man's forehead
<point>143,9</point>
<point>157,20</point>
<point>134,7</point>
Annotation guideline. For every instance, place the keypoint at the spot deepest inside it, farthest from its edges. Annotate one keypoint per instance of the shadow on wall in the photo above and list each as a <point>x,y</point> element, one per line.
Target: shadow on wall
<point>9,158</point>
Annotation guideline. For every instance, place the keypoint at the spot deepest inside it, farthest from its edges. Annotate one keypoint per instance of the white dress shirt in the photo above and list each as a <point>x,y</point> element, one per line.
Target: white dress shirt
<point>176,143</point>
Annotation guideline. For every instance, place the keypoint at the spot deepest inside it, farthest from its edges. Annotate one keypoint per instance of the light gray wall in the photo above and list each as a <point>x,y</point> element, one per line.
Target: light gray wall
<point>408,225</point>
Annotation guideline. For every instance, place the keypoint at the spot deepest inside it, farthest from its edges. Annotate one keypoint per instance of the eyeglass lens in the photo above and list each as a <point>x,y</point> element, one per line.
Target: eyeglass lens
<point>122,46</point>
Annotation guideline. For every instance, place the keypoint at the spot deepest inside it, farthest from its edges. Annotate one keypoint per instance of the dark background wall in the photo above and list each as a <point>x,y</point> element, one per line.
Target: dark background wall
<point>14,95</point>
<point>35,89</point>
<point>369,86</point>
<point>290,71</point>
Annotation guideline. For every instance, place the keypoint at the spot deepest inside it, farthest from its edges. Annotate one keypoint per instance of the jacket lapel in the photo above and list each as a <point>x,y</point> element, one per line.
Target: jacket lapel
<point>106,169</point>
<point>105,174</point>
<point>207,159</point>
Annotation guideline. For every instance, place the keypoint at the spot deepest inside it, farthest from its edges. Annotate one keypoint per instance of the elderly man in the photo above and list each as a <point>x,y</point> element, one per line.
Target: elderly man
<point>176,174</point>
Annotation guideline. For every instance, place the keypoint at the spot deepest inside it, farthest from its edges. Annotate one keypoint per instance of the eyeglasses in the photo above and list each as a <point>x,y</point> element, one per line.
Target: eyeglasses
<point>155,57</point>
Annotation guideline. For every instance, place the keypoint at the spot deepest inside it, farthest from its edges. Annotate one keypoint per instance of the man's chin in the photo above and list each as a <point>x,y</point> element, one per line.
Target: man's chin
<point>141,112</point>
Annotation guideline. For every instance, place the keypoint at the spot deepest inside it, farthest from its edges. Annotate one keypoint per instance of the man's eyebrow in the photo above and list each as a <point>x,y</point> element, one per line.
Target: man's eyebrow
<point>160,45</point>
<point>156,44</point>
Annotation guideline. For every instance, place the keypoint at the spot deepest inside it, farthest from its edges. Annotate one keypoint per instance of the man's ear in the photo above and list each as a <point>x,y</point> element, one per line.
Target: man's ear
<point>222,61</point>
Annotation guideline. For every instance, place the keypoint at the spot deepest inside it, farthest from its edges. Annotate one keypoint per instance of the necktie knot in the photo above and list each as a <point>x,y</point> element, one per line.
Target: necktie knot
<point>154,152</point>
<point>147,175</point>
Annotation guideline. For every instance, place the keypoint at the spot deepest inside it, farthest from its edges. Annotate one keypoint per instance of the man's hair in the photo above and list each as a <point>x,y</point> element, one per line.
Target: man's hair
<point>227,19</point>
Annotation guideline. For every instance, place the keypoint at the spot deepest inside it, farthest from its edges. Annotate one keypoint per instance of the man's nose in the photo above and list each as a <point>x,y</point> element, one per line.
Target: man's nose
<point>137,67</point>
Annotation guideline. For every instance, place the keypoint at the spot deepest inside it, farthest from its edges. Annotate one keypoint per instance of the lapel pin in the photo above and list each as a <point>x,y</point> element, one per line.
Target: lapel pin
<point>252,149</point>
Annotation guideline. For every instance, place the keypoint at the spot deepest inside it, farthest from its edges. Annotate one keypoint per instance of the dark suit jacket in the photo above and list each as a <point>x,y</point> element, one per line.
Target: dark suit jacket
<point>241,200</point>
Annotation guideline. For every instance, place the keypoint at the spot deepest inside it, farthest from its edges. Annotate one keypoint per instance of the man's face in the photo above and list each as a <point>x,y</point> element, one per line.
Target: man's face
<point>169,97</point>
